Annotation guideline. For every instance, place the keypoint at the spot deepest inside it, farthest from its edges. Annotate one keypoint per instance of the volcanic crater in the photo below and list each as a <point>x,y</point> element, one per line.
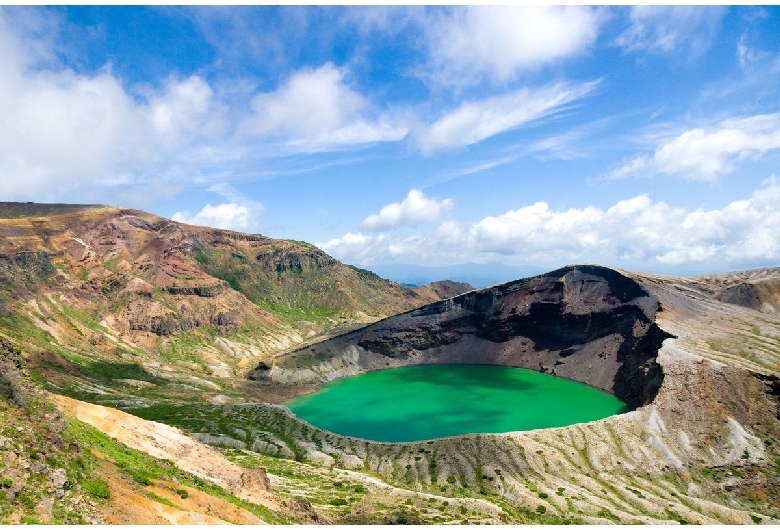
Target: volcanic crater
<point>585,323</point>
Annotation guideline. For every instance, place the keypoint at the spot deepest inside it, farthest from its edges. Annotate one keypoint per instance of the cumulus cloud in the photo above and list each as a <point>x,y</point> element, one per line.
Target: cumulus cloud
<point>501,41</point>
<point>68,134</point>
<point>477,120</point>
<point>700,154</point>
<point>635,232</point>
<point>228,215</point>
<point>415,208</point>
<point>315,109</point>
<point>63,130</point>
<point>669,28</point>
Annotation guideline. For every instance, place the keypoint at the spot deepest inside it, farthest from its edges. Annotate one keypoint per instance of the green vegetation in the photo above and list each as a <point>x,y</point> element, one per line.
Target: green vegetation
<point>20,327</point>
<point>35,435</point>
<point>297,282</point>
<point>145,469</point>
<point>96,487</point>
<point>108,371</point>
<point>162,500</point>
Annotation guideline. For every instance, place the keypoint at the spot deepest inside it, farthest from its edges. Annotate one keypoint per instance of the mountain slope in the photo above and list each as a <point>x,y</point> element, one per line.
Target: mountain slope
<point>102,294</point>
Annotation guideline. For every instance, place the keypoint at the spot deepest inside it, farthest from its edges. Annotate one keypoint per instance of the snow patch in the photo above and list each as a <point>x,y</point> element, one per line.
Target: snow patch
<point>82,243</point>
<point>684,440</point>
<point>655,423</point>
<point>742,442</point>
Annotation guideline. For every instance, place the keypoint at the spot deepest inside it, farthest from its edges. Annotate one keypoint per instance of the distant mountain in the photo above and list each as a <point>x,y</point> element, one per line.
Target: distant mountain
<point>476,274</point>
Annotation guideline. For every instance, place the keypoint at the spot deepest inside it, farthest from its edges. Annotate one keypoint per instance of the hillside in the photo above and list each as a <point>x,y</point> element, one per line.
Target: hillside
<point>129,341</point>
<point>104,293</point>
<point>112,302</point>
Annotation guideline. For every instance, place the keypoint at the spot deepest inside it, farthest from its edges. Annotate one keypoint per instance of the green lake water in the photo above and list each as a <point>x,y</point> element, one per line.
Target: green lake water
<point>432,401</point>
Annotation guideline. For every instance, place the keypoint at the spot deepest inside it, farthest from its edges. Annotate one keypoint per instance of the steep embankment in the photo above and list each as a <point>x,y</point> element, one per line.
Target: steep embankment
<point>585,323</point>
<point>56,469</point>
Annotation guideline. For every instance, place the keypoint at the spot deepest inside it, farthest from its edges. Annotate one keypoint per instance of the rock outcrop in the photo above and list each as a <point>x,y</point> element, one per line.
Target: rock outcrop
<point>762,295</point>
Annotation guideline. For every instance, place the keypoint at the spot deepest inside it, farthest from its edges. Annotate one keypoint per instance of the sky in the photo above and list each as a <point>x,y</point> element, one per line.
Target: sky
<point>645,138</point>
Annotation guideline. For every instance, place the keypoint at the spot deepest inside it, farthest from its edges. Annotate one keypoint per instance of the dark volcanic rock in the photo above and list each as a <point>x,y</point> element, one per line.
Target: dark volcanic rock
<point>586,323</point>
<point>206,291</point>
<point>167,324</point>
<point>28,266</point>
<point>762,295</point>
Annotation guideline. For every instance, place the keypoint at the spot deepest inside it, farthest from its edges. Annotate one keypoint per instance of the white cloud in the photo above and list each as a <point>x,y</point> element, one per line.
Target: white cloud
<point>477,120</point>
<point>415,208</point>
<point>65,134</point>
<point>229,215</point>
<point>316,109</point>
<point>61,131</point>
<point>746,55</point>
<point>634,233</point>
<point>184,110</point>
<point>501,41</point>
<point>700,154</point>
<point>669,28</point>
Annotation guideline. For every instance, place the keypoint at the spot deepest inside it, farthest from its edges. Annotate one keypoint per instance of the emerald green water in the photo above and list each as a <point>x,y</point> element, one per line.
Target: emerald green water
<point>432,401</point>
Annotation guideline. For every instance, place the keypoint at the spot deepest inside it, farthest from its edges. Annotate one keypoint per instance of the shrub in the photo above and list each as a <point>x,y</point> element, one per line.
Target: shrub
<point>97,488</point>
<point>140,477</point>
<point>541,509</point>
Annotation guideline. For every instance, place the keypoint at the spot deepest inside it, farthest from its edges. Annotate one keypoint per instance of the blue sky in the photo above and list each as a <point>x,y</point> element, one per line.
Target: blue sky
<point>646,138</point>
